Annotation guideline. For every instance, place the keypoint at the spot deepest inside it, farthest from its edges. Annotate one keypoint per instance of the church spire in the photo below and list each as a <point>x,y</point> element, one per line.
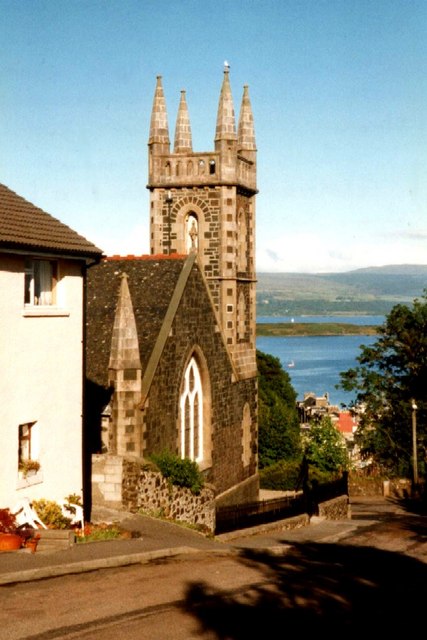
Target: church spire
<point>159,130</point>
<point>225,122</point>
<point>124,352</point>
<point>183,143</point>
<point>246,130</point>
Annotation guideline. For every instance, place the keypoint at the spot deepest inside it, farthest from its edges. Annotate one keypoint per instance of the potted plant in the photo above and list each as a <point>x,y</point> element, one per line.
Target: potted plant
<point>29,467</point>
<point>10,539</point>
<point>13,536</point>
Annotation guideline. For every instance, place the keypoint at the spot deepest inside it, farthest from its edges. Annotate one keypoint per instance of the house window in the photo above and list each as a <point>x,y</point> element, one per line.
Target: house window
<point>191,410</point>
<point>40,282</point>
<point>28,445</point>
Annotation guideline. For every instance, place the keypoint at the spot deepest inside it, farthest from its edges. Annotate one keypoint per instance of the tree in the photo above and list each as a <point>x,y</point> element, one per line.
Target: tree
<point>279,431</point>
<point>325,447</point>
<point>391,374</point>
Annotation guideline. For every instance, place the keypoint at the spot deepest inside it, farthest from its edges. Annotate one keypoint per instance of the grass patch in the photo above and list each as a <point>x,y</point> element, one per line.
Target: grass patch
<point>103,531</point>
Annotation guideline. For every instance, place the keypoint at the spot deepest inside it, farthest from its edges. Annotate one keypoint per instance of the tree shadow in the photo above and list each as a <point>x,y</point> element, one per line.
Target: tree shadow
<point>398,524</point>
<point>414,505</point>
<point>316,588</point>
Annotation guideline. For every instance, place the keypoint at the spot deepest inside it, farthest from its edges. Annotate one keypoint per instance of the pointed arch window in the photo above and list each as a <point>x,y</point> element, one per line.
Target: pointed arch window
<point>191,413</point>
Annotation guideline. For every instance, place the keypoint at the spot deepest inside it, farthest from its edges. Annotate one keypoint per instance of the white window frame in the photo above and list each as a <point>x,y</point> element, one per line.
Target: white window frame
<point>46,305</point>
<point>40,282</point>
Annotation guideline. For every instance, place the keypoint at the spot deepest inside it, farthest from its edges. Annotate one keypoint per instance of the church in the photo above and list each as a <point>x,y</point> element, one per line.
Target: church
<point>170,336</point>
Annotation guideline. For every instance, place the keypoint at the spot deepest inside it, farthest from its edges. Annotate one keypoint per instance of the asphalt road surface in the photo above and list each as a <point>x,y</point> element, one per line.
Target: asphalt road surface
<point>371,582</point>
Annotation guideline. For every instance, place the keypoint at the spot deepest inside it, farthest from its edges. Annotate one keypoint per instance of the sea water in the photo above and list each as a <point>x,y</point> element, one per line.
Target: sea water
<point>314,363</point>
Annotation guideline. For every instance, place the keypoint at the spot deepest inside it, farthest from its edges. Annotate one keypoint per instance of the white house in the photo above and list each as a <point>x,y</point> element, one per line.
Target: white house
<point>42,274</point>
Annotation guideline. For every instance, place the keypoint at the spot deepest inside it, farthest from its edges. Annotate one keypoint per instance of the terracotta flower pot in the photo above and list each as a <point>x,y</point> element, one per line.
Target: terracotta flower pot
<point>10,542</point>
<point>31,543</point>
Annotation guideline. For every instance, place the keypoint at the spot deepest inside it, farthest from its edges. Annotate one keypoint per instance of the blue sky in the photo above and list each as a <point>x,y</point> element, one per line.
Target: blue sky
<point>338,91</point>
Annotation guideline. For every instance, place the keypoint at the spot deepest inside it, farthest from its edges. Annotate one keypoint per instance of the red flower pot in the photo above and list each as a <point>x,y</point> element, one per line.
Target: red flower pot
<point>31,543</point>
<point>10,542</point>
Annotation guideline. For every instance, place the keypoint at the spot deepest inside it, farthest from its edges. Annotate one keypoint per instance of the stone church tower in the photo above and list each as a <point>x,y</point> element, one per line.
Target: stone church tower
<point>204,202</point>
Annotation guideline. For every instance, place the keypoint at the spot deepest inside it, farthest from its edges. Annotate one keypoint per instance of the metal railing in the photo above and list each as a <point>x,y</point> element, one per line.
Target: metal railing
<point>231,518</point>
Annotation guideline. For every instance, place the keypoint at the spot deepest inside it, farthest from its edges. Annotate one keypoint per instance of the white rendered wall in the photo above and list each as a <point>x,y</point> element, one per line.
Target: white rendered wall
<point>42,381</point>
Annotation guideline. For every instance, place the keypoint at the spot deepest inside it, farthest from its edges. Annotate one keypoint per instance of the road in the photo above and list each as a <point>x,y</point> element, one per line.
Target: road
<point>373,581</point>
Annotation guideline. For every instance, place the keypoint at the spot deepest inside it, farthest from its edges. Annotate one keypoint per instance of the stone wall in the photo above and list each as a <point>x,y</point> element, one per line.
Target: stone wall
<point>107,477</point>
<point>335,509</point>
<point>377,486</point>
<point>125,483</point>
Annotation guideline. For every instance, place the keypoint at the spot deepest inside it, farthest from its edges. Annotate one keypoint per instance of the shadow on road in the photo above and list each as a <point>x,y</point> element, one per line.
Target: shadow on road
<point>318,588</point>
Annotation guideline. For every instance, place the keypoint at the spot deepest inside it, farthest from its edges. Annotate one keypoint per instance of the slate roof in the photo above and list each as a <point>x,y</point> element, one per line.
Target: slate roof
<point>152,281</point>
<point>25,226</point>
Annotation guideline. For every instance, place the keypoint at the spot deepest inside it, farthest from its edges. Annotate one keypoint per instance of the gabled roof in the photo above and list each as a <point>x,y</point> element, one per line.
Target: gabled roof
<point>155,285</point>
<point>152,281</point>
<point>25,226</point>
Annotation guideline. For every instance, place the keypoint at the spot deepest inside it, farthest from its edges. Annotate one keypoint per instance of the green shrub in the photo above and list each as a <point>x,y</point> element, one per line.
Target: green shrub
<point>281,476</point>
<point>181,472</point>
<point>74,498</point>
<point>320,476</point>
<point>288,475</point>
<point>51,514</point>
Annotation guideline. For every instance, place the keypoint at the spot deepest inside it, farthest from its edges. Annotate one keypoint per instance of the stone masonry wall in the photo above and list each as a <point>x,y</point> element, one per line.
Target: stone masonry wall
<point>335,509</point>
<point>107,474</point>
<point>124,483</point>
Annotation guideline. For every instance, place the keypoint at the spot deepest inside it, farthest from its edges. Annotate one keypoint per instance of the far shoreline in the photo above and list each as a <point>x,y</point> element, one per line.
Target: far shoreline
<point>315,329</point>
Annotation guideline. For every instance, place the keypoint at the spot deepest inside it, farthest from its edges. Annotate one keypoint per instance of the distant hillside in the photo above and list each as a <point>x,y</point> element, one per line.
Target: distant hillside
<point>273,329</point>
<point>374,290</point>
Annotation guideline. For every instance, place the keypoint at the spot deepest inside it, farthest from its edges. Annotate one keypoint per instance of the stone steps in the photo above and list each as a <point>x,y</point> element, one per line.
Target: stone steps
<point>55,539</point>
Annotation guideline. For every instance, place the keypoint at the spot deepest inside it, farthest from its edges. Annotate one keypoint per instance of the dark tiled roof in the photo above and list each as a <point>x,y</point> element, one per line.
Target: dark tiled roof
<point>25,226</point>
<point>151,280</point>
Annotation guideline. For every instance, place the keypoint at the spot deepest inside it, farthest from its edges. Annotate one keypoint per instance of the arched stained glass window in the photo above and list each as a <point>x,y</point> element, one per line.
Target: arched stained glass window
<point>191,410</point>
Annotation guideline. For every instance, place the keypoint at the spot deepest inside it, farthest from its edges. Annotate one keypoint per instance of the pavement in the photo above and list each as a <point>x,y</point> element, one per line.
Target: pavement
<point>157,540</point>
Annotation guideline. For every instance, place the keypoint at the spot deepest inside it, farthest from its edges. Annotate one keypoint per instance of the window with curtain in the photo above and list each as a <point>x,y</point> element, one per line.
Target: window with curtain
<point>40,279</point>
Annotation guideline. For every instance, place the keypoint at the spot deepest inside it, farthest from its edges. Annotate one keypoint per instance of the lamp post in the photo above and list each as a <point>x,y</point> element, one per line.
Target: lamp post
<point>414,443</point>
<point>168,201</point>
